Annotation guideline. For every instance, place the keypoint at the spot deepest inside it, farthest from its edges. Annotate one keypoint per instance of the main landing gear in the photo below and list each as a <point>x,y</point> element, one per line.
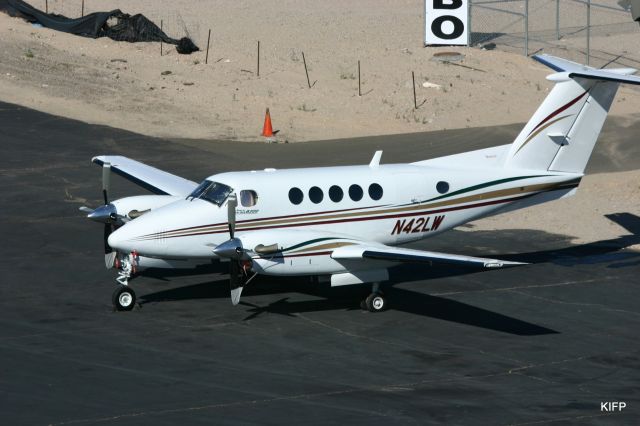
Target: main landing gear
<point>375,302</point>
<point>124,298</point>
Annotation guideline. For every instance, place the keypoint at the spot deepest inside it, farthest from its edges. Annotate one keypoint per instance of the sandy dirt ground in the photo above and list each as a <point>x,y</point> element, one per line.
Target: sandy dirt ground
<point>131,86</point>
<point>122,85</point>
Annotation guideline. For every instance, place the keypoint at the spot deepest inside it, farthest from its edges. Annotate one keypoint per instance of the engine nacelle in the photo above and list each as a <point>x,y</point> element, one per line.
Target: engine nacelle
<point>129,208</point>
<point>294,252</point>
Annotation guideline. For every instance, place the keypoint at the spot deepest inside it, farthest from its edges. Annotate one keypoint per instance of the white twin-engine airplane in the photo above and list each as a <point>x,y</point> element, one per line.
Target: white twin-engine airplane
<point>344,222</point>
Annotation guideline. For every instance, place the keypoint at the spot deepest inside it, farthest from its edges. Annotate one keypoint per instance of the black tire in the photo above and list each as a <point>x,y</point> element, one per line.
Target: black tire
<point>124,298</point>
<point>376,302</point>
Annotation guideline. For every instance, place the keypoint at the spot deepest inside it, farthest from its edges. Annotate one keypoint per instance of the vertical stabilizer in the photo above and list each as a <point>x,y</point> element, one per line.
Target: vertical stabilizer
<point>563,131</point>
<point>579,142</point>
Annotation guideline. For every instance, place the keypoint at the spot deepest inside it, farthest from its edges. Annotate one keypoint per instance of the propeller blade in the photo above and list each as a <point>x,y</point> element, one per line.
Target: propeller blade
<point>106,233</point>
<point>109,254</point>
<point>109,259</point>
<point>235,283</point>
<point>232,203</point>
<point>85,209</point>
<point>106,181</point>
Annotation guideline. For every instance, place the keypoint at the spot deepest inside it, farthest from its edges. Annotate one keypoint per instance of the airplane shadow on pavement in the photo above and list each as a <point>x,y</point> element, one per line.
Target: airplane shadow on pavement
<point>404,300</point>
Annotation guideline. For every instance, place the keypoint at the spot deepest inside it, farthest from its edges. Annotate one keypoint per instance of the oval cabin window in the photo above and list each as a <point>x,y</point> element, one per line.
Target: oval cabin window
<point>375,191</point>
<point>355,192</point>
<point>335,193</point>
<point>295,195</point>
<point>315,194</point>
<point>442,187</point>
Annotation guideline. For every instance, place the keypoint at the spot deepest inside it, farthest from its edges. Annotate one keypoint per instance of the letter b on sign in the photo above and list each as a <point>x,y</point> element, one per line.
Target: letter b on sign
<point>445,22</point>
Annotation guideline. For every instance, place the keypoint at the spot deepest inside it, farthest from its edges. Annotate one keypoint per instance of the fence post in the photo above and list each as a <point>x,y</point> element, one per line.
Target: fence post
<point>588,30</point>
<point>424,24</point>
<point>557,19</point>
<point>469,24</point>
<point>206,59</point>
<point>526,27</point>
<point>415,101</point>
<point>359,89</point>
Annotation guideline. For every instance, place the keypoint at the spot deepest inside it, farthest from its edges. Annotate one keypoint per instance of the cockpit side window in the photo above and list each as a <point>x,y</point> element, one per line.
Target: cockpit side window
<point>248,198</point>
<point>214,192</point>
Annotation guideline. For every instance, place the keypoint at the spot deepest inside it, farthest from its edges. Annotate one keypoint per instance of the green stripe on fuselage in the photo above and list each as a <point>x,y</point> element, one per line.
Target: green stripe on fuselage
<point>480,186</point>
<point>317,240</point>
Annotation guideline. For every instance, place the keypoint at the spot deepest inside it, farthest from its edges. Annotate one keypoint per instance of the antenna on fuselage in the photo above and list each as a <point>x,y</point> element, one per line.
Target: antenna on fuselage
<point>375,161</point>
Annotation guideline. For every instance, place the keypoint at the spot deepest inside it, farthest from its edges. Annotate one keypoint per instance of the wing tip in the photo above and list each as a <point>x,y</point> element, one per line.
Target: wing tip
<point>503,263</point>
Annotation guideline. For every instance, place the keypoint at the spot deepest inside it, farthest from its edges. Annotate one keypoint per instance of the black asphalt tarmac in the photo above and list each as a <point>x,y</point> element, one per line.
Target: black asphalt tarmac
<point>538,344</point>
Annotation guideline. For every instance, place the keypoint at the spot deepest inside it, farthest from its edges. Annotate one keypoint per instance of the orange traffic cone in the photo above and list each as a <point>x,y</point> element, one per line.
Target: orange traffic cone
<point>267,130</point>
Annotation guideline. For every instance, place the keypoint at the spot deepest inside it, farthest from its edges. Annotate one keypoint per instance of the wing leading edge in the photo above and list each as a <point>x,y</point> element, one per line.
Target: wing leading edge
<point>155,180</point>
<point>403,255</point>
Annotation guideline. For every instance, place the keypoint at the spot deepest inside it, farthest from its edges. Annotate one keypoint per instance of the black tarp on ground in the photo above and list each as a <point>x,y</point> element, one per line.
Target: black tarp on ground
<point>114,24</point>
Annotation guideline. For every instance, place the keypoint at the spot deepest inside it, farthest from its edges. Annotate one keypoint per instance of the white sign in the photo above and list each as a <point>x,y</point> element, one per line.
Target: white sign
<point>445,22</point>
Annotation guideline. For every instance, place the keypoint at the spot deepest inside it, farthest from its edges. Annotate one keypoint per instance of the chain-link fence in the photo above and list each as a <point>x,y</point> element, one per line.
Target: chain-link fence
<point>588,31</point>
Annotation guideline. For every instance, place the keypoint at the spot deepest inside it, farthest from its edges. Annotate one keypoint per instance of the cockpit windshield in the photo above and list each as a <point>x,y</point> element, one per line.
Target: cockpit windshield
<point>214,192</point>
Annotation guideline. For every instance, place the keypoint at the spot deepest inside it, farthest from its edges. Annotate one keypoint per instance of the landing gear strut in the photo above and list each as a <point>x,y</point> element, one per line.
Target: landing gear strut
<point>124,298</point>
<point>375,302</point>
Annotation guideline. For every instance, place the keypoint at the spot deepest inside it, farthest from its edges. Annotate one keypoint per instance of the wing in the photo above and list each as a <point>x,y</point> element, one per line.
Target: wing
<point>365,251</point>
<point>155,180</point>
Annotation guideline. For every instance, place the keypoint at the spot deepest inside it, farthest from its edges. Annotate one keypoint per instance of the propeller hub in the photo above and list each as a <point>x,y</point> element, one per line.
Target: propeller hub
<point>104,214</point>
<point>230,249</point>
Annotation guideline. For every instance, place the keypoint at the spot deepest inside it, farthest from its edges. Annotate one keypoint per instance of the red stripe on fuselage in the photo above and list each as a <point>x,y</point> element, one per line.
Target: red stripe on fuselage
<point>360,219</point>
<point>256,220</point>
<point>558,111</point>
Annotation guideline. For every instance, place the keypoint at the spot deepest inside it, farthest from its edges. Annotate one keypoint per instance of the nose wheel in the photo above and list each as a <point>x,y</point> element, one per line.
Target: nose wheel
<point>124,298</point>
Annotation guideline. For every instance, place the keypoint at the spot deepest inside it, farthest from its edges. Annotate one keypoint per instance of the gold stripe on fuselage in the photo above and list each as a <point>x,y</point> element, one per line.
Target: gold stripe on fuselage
<point>259,223</point>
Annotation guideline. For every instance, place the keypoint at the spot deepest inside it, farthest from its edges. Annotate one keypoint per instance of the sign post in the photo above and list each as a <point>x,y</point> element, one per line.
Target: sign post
<point>446,22</point>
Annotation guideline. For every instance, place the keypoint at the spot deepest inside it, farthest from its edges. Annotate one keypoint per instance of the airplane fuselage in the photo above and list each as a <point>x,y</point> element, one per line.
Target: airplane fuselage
<point>387,204</point>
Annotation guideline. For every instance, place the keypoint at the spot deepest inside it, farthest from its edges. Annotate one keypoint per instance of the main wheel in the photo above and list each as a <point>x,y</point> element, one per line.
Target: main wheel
<point>375,302</point>
<point>124,298</point>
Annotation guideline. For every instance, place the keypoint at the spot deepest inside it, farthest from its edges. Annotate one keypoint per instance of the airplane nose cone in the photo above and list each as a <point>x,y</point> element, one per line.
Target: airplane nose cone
<point>117,240</point>
<point>104,214</point>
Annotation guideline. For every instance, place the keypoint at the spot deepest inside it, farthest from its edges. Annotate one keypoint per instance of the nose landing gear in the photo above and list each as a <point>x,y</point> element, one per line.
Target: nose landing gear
<point>124,298</point>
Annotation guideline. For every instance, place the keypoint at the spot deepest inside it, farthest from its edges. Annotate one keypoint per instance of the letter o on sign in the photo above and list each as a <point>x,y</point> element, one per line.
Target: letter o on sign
<point>446,22</point>
<point>447,27</point>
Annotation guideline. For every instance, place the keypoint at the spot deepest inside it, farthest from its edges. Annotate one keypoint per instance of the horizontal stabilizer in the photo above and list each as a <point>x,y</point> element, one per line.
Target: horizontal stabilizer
<point>567,69</point>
